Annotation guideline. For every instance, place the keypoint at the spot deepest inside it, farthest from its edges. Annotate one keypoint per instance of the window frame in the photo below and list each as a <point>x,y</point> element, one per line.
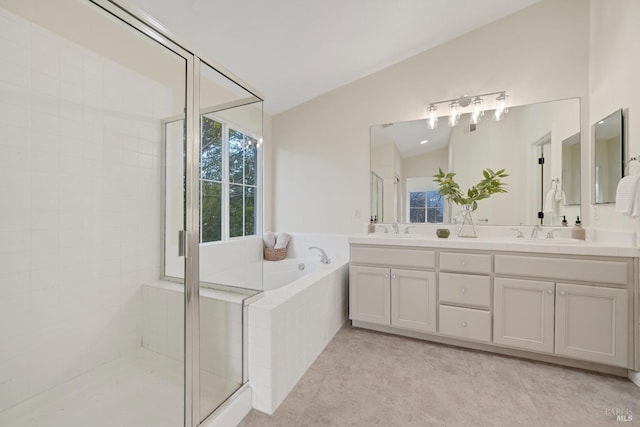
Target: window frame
<point>226,183</point>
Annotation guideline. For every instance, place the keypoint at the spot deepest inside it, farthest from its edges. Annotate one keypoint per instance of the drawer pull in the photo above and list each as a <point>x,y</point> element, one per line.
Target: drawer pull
<point>463,290</point>
<point>386,275</point>
<point>549,291</point>
<point>394,275</point>
<point>563,293</point>
<point>463,263</point>
<point>464,324</point>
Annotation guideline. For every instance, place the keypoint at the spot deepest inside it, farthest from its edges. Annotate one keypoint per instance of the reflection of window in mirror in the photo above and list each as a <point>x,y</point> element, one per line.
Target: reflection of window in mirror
<point>425,204</point>
<point>426,207</point>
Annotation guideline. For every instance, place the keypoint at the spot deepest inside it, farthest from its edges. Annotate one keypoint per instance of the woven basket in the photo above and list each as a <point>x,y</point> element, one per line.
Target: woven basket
<point>271,254</point>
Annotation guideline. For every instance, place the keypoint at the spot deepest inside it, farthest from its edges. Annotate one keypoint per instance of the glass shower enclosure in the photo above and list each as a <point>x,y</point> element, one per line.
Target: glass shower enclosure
<point>114,310</point>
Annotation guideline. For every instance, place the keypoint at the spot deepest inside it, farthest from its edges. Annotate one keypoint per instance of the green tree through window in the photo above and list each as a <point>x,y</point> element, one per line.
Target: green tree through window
<point>229,179</point>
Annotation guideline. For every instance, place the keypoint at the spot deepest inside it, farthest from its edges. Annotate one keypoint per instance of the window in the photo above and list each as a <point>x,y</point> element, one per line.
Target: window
<point>425,206</point>
<point>229,182</point>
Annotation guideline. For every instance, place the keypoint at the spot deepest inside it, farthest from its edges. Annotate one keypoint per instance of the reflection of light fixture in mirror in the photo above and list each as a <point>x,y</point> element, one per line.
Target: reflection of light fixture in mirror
<point>477,111</point>
<point>432,119</point>
<point>476,102</point>
<point>502,108</point>
<point>424,141</point>
<point>454,113</point>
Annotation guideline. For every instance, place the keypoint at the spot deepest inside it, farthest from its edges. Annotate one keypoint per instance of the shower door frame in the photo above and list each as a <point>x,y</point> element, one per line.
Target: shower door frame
<point>144,23</point>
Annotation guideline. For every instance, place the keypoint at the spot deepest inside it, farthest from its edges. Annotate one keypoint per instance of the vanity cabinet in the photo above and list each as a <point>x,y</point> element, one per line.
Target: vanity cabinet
<point>395,297</point>
<point>587,321</point>
<point>393,287</point>
<point>523,312</point>
<point>592,323</point>
<point>565,308</point>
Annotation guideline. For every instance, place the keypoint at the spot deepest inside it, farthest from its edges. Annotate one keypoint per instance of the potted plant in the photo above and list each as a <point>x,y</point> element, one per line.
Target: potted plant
<point>490,184</point>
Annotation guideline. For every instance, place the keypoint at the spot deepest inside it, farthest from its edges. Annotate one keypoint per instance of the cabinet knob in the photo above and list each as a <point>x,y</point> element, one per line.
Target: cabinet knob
<point>463,290</point>
<point>464,263</point>
<point>464,324</point>
<point>386,275</point>
<point>563,293</point>
<point>549,291</point>
<point>394,275</point>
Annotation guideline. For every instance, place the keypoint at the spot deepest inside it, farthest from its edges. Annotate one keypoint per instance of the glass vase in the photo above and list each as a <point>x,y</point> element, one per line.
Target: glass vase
<point>467,226</point>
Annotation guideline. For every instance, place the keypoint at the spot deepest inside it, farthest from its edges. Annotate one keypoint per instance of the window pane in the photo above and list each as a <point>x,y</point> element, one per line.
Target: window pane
<point>250,161</point>
<point>236,154</point>
<point>416,215</point>
<point>236,209</point>
<point>211,211</point>
<point>433,199</point>
<point>417,199</point>
<point>211,161</point>
<point>249,211</point>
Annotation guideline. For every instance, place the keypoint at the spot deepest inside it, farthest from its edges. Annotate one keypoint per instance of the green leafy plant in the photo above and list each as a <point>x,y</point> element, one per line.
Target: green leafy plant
<point>490,184</point>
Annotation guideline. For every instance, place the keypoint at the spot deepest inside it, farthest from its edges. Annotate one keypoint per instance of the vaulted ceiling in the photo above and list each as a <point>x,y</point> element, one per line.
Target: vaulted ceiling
<point>294,50</point>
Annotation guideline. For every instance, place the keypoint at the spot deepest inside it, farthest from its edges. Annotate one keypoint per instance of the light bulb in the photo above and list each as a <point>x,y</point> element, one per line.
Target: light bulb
<point>502,108</point>
<point>478,112</point>
<point>432,118</point>
<point>454,114</point>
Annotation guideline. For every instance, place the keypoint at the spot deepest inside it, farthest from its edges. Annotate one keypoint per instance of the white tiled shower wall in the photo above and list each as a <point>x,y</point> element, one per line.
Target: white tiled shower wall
<point>80,207</point>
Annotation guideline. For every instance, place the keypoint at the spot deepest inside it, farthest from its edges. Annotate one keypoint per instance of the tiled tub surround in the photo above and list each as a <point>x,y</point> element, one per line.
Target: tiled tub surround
<point>502,294</point>
<point>80,190</point>
<point>290,326</point>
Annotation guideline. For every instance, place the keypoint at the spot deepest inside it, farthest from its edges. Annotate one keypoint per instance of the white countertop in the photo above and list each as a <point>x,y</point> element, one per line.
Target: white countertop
<point>562,246</point>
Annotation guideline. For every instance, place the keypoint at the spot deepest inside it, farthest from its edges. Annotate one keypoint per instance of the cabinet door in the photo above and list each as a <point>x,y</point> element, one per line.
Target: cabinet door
<point>523,314</point>
<point>413,299</point>
<point>369,294</point>
<point>591,323</point>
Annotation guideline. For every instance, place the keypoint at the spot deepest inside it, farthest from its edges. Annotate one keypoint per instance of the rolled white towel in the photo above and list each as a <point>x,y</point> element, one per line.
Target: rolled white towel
<point>626,195</point>
<point>269,239</point>
<point>282,241</point>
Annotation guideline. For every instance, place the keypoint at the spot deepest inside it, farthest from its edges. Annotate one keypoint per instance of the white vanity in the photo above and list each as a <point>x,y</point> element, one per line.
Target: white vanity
<point>572,304</point>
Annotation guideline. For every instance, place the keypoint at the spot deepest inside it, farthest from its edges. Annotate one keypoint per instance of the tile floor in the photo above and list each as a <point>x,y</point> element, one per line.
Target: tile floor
<point>365,378</point>
<point>143,389</point>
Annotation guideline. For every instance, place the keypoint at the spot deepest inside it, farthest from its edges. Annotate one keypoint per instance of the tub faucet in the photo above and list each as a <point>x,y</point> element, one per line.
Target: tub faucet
<point>323,255</point>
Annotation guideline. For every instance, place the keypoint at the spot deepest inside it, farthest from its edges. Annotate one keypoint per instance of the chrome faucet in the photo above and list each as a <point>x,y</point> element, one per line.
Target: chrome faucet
<point>534,232</point>
<point>396,228</point>
<point>406,230</point>
<point>323,255</point>
<point>384,227</point>
<point>519,235</point>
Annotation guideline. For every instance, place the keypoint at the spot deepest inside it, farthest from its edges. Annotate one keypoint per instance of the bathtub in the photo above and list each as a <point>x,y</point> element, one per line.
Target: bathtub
<point>304,304</point>
<point>277,274</point>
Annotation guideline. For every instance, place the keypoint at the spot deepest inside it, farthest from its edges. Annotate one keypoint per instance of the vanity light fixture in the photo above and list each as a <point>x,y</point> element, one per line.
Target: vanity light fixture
<point>476,102</point>
<point>424,141</point>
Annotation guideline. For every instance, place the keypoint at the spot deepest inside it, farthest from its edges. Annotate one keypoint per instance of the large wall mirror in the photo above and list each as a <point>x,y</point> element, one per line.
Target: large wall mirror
<point>405,155</point>
<point>608,157</point>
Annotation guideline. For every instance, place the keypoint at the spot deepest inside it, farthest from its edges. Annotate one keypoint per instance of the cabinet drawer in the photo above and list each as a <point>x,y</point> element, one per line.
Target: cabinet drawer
<point>465,263</point>
<point>598,271</point>
<point>465,323</point>
<point>465,289</point>
<point>393,257</point>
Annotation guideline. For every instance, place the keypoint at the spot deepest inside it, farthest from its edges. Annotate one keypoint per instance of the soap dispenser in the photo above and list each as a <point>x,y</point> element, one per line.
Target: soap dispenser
<point>372,226</point>
<point>564,221</point>
<point>577,232</point>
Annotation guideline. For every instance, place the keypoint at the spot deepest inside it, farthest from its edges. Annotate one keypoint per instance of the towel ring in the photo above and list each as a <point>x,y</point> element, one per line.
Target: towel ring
<point>631,159</point>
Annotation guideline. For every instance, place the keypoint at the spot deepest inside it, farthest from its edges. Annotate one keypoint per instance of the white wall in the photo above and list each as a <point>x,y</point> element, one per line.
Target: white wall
<point>321,148</point>
<point>80,215</point>
<point>614,68</point>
